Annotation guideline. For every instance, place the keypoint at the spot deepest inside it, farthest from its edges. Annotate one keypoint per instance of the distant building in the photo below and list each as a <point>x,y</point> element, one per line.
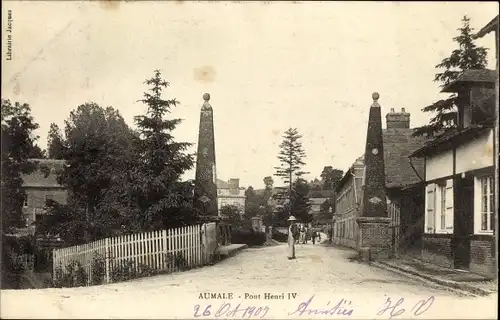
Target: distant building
<point>230,193</point>
<point>403,186</point>
<point>40,186</point>
<point>320,200</point>
<point>346,205</point>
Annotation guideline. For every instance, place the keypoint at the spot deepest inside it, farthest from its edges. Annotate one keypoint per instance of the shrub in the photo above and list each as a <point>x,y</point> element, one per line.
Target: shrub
<point>98,269</point>
<point>179,261</point>
<point>248,237</point>
<point>279,236</point>
<point>74,276</point>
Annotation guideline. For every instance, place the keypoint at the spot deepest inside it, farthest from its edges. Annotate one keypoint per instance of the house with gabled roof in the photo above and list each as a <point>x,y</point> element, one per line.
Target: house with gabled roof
<point>460,214</point>
<point>403,185</point>
<point>42,185</point>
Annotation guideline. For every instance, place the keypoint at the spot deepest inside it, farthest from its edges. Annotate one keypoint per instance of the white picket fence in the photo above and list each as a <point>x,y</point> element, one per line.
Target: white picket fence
<point>157,250</point>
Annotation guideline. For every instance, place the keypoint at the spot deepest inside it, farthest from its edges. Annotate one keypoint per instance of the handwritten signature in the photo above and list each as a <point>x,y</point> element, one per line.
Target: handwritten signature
<point>340,308</point>
<point>396,309</point>
<point>227,310</point>
<point>390,308</point>
<point>343,308</point>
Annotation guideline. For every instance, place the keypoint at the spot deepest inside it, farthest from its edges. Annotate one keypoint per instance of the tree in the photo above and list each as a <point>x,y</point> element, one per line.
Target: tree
<point>99,157</point>
<point>231,213</point>
<point>55,143</point>
<point>467,56</point>
<point>300,205</point>
<point>268,189</point>
<point>331,177</point>
<point>159,192</point>
<point>291,157</point>
<point>252,203</point>
<point>18,142</point>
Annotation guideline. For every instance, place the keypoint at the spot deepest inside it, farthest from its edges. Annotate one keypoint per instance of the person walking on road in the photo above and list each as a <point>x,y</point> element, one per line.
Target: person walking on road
<point>292,231</point>
<point>302,235</point>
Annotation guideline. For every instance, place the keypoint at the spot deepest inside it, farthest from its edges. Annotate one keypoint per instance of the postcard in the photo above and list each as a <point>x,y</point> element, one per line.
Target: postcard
<point>249,160</point>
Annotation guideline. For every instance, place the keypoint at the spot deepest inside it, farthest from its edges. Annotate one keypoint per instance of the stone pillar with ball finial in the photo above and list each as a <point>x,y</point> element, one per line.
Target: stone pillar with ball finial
<point>374,234</point>
<point>205,193</point>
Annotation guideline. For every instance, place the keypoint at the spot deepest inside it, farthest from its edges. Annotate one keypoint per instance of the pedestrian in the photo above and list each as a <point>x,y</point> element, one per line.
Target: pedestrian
<point>314,237</point>
<point>292,230</point>
<point>302,234</point>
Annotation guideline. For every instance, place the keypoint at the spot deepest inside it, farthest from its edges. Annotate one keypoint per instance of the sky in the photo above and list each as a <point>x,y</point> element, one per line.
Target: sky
<point>267,66</point>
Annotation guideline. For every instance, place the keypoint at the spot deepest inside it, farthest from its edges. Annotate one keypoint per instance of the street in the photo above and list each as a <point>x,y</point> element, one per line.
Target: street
<point>324,273</point>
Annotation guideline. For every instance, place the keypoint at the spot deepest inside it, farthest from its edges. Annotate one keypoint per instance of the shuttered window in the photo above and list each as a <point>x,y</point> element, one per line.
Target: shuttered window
<point>430,200</point>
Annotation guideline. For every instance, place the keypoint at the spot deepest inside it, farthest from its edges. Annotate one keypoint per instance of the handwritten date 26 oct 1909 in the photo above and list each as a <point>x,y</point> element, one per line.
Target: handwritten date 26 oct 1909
<point>390,309</point>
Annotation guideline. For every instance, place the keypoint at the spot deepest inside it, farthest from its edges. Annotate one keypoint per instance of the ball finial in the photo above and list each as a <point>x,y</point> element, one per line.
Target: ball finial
<point>206,96</point>
<point>375,96</point>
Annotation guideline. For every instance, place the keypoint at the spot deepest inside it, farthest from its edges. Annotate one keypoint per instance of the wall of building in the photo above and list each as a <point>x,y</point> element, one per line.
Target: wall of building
<point>438,166</point>
<point>475,154</point>
<point>345,227</point>
<point>483,256</point>
<point>436,249</point>
<point>36,197</point>
<point>231,197</point>
<point>475,159</point>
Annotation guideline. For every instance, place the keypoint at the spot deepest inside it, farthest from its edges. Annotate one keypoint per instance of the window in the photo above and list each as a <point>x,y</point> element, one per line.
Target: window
<point>439,207</point>
<point>49,197</point>
<point>487,217</point>
<point>442,190</point>
<point>25,202</point>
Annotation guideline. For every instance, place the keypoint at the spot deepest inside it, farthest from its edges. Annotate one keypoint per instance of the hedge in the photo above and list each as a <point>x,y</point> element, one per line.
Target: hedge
<point>248,237</point>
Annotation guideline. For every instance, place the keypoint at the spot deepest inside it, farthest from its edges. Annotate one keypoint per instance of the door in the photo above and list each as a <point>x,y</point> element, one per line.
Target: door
<point>462,221</point>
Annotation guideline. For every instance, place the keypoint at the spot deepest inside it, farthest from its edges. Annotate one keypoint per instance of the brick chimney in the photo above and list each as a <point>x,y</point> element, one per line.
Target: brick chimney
<point>398,120</point>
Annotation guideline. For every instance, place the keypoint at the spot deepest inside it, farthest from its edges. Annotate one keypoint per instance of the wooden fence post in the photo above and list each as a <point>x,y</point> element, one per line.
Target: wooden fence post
<point>165,249</point>
<point>106,254</point>
<point>54,264</point>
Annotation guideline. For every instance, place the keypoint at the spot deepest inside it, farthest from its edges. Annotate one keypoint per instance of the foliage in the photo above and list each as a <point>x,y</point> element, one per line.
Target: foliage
<point>466,57</point>
<point>231,212</point>
<point>99,156</point>
<point>300,205</point>
<point>18,143</point>
<point>268,190</point>
<point>118,179</point>
<point>330,177</point>
<point>279,236</point>
<point>252,203</point>
<point>248,236</point>
<point>163,200</point>
<point>291,157</point>
<point>37,153</point>
<point>55,143</point>
<point>98,269</point>
<point>74,275</point>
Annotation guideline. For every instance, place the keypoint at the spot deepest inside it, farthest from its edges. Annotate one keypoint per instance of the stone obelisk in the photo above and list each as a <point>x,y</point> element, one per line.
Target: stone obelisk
<point>374,241</point>
<point>205,194</point>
